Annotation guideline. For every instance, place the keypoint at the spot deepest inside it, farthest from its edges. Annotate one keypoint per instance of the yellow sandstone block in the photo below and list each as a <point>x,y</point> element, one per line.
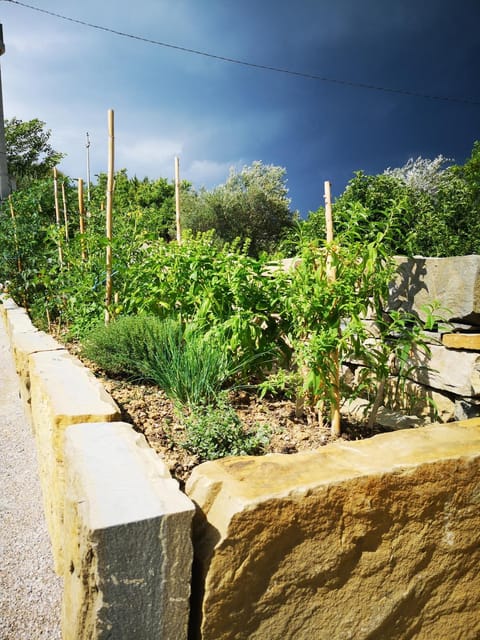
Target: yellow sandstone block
<point>63,392</point>
<point>468,341</point>
<point>371,539</point>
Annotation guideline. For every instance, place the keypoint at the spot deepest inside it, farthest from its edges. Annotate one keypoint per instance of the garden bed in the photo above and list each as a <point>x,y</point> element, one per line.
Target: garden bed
<point>147,408</point>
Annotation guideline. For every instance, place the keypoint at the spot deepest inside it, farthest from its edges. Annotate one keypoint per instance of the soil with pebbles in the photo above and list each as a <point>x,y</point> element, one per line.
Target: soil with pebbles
<point>147,408</point>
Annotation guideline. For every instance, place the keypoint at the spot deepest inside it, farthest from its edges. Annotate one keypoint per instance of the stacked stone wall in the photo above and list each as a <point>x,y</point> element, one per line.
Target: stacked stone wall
<point>119,525</point>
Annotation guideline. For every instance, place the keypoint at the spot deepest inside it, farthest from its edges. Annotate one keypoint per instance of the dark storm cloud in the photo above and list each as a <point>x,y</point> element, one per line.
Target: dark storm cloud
<point>215,114</point>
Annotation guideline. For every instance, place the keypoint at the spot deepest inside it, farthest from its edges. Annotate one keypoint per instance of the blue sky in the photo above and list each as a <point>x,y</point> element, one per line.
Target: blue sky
<point>215,115</point>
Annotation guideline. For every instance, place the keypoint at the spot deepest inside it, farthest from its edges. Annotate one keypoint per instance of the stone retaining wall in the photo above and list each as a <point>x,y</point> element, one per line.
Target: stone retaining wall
<point>444,386</point>
<point>119,525</point>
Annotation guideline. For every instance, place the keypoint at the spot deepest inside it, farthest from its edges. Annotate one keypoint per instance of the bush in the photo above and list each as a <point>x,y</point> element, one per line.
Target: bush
<point>191,367</point>
<point>122,347</point>
<point>216,431</point>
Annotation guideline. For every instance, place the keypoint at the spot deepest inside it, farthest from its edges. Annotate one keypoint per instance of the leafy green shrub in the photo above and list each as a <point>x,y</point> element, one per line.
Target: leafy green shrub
<point>215,431</point>
<point>125,345</point>
<point>224,290</point>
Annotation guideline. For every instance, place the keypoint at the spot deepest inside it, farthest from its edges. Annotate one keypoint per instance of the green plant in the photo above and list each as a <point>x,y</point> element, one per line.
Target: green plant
<point>125,345</point>
<point>29,153</point>
<point>252,205</point>
<point>215,431</point>
<point>224,291</point>
<point>327,315</point>
<point>191,367</point>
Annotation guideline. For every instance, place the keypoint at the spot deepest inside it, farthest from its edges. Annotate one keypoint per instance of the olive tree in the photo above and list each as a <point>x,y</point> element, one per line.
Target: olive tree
<point>253,205</point>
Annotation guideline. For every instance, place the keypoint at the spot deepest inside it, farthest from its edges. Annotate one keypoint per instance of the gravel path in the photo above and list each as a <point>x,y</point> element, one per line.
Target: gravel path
<point>30,592</point>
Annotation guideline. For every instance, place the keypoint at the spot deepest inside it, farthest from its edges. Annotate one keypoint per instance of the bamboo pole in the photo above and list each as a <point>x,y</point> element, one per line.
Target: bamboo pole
<point>57,213</point>
<point>81,214</point>
<point>110,186</point>
<point>177,199</point>
<point>65,214</point>
<point>331,275</point>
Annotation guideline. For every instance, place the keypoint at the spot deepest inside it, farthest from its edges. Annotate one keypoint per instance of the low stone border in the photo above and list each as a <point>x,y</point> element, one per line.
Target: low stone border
<point>119,525</point>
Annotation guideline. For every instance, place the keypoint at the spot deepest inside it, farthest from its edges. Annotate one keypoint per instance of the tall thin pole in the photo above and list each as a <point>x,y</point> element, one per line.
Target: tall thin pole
<point>4,181</point>
<point>110,185</point>
<point>87,145</point>
<point>57,214</point>
<point>331,275</point>
<point>177,199</point>
<point>81,214</point>
<point>65,212</point>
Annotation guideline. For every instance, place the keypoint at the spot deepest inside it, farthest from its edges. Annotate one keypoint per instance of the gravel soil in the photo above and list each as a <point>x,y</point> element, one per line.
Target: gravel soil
<point>151,413</point>
<point>30,591</point>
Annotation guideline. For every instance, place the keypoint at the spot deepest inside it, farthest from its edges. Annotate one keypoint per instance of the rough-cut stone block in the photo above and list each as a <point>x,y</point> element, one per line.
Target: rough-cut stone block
<point>23,346</point>
<point>457,372</point>
<point>467,341</point>
<point>18,321</point>
<point>453,282</point>
<point>372,539</point>
<point>63,392</point>
<point>127,539</point>
<point>6,304</point>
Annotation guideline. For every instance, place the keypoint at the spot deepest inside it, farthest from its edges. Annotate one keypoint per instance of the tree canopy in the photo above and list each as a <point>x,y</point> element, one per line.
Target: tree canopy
<point>252,205</point>
<point>30,155</point>
<point>433,209</point>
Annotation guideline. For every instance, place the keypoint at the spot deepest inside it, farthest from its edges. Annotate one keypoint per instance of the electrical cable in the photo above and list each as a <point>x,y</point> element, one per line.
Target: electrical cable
<point>263,67</point>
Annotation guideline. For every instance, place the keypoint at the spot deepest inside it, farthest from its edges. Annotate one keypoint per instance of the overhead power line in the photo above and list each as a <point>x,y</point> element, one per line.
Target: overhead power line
<point>244,63</point>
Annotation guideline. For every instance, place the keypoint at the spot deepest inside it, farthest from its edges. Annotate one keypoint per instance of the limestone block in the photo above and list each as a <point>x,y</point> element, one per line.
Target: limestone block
<point>23,346</point>
<point>371,539</point>
<point>63,392</point>
<point>456,372</point>
<point>453,282</point>
<point>6,303</point>
<point>467,341</point>
<point>18,321</point>
<point>127,539</point>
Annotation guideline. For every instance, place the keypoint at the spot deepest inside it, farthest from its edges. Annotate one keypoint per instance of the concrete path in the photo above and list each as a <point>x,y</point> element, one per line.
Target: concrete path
<point>30,592</point>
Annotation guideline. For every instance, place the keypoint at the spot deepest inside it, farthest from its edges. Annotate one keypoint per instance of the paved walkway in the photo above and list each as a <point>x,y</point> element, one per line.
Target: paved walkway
<point>30,592</point>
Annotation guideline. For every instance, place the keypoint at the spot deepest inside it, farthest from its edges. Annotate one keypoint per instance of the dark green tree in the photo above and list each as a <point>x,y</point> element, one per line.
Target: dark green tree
<point>433,210</point>
<point>141,207</point>
<point>30,155</point>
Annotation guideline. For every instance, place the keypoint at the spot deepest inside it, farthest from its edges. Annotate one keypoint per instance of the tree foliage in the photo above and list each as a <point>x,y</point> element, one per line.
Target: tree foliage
<point>30,155</point>
<point>437,207</point>
<point>253,204</point>
<point>149,205</point>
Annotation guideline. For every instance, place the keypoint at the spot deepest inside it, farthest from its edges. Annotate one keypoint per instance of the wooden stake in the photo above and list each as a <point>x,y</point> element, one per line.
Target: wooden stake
<point>329,229</point>
<point>81,213</point>
<point>177,200</point>
<point>331,275</point>
<point>110,185</point>
<point>57,213</point>
<point>65,214</point>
